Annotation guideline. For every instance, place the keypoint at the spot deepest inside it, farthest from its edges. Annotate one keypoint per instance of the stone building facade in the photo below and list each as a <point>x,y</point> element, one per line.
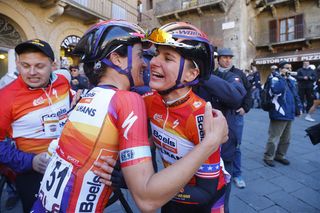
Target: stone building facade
<point>251,28</point>
<point>226,22</point>
<point>60,22</point>
<point>287,30</point>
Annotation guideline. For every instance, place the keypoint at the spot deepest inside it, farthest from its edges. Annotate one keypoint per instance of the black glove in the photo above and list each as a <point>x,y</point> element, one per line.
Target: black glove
<point>117,178</point>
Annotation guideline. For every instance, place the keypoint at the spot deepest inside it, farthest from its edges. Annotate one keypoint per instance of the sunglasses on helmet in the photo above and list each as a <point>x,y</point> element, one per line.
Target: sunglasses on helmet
<point>158,36</point>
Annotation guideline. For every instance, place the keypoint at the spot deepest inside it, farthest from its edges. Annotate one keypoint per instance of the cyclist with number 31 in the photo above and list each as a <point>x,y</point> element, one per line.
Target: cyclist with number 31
<point>111,121</point>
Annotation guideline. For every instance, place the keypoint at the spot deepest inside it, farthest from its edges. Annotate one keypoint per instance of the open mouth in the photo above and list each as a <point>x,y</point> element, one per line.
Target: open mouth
<point>34,80</point>
<point>157,75</point>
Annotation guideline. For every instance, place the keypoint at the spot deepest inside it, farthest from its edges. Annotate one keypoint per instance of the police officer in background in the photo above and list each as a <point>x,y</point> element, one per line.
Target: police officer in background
<point>226,92</point>
<point>225,56</point>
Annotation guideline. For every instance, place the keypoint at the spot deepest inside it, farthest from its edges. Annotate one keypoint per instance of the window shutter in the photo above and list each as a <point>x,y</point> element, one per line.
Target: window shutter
<point>298,26</point>
<point>273,31</point>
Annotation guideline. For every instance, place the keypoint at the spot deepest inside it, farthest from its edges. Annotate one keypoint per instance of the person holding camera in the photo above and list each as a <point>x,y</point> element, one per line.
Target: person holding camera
<point>287,105</point>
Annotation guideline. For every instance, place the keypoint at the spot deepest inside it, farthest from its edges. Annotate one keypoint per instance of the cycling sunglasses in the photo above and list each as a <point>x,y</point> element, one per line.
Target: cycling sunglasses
<point>158,36</point>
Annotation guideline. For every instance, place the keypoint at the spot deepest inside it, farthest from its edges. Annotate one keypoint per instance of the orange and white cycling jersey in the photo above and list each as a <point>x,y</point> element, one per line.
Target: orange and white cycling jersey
<point>106,122</point>
<point>177,128</point>
<point>33,117</point>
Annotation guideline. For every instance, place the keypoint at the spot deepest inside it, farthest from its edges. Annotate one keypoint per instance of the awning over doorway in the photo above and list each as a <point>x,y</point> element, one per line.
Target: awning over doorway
<point>313,55</point>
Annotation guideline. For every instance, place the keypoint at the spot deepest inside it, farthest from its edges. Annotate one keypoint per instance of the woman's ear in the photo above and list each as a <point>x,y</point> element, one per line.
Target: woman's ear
<point>115,59</point>
<point>191,73</point>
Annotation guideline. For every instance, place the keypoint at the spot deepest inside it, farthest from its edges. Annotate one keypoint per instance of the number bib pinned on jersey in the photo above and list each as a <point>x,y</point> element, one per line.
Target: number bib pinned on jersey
<point>54,182</point>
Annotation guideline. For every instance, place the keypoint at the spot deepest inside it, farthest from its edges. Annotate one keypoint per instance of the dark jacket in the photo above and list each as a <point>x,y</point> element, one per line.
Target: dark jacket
<point>247,100</point>
<point>306,83</point>
<point>83,83</point>
<point>285,98</point>
<point>318,78</point>
<point>15,159</point>
<point>225,92</point>
<point>255,80</point>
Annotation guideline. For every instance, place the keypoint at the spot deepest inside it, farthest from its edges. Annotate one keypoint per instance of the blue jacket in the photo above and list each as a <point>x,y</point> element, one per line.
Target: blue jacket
<point>285,98</point>
<point>311,77</point>
<point>256,80</point>
<point>15,159</point>
<point>226,93</point>
<point>247,101</point>
<point>83,83</point>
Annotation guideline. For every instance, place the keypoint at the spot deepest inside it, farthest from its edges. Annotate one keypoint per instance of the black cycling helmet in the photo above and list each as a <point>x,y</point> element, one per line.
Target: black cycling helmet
<point>105,37</point>
<point>191,43</point>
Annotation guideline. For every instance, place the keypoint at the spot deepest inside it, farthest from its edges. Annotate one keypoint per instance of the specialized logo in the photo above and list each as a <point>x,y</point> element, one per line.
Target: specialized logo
<point>127,124</point>
<point>55,93</point>
<point>175,123</point>
<point>199,121</point>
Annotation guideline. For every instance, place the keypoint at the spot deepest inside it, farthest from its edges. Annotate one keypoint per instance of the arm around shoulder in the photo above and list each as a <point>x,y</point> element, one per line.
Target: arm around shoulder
<point>152,190</point>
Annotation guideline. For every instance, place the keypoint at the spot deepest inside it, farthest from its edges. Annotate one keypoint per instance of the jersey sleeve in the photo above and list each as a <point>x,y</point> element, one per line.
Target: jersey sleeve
<point>131,123</point>
<point>6,115</point>
<point>9,155</point>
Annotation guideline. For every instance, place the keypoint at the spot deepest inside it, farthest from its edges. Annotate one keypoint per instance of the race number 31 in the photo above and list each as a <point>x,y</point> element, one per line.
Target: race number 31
<point>54,182</point>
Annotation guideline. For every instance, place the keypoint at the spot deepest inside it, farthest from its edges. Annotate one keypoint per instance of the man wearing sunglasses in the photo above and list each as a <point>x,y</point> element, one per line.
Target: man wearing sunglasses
<point>109,123</point>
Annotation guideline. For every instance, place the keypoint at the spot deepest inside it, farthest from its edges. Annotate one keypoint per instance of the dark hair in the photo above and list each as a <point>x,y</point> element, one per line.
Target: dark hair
<point>93,73</point>
<point>73,67</point>
<point>196,56</point>
<point>122,51</point>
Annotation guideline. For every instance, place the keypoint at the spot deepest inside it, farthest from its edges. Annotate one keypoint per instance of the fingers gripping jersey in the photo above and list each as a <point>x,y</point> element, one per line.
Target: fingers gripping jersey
<point>177,129</point>
<point>33,117</point>
<point>106,122</point>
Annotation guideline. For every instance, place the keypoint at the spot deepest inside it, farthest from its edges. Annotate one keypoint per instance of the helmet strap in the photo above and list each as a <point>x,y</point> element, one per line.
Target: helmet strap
<point>178,84</point>
<point>126,71</point>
